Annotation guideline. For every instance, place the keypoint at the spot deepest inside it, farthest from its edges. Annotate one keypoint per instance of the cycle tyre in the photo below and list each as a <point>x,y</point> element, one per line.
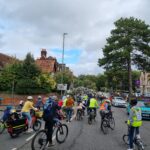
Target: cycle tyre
<point>112,123</point>
<point>2,127</point>
<point>35,138</point>
<point>140,145</point>
<point>60,130</point>
<point>126,139</point>
<point>37,125</point>
<point>89,120</point>
<point>104,127</point>
<point>14,135</point>
<point>78,116</point>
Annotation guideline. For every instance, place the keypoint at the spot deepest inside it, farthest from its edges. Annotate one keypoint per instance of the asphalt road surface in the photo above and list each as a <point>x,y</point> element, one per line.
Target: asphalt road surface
<point>83,136</point>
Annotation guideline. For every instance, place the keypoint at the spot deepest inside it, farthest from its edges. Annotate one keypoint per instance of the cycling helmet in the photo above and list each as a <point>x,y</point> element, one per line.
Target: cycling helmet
<point>133,102</point>
<point>39,97</point>
<point>30,98</point>
<point>9,107</point>
<point>68,96</point>
<point>107,100</point>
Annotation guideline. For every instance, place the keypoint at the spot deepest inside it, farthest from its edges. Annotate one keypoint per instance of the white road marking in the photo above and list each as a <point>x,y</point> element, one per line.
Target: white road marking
<point>14,149</point>
<point>54,137</point>
<point>29,138</point>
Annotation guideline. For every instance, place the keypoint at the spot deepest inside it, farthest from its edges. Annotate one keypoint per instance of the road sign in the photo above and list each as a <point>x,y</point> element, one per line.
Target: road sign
<point>62,87</point>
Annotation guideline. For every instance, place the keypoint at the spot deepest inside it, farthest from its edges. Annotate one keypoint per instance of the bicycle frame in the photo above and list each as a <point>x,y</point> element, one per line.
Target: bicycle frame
<point>136,141</point>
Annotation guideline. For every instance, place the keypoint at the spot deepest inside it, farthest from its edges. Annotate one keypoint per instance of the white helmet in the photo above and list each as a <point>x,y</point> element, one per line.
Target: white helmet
<point>107,100</point>
<point>68,96</point>
<point>39,97</point>
<point>30,98</point>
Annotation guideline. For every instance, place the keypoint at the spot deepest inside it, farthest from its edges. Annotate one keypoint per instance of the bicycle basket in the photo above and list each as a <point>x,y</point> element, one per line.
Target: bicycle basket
<point>39,114</point>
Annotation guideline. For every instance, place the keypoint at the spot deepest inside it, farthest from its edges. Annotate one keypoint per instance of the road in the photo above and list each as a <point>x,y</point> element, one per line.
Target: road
<point>84,137</point>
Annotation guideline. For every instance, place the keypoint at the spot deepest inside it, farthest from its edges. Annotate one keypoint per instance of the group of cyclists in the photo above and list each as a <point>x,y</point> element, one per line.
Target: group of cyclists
<point>56,109</point>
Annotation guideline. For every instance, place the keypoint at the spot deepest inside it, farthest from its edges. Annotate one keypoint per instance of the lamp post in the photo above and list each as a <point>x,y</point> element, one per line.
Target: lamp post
<point>62,69</point>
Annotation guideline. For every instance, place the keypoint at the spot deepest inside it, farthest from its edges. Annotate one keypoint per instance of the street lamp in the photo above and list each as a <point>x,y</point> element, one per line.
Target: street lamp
<point>62,69</point>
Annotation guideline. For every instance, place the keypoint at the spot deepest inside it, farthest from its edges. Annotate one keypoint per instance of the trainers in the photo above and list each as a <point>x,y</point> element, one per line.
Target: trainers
<point>51,144</point>
<point>138,136</point>
<point>30,130</point>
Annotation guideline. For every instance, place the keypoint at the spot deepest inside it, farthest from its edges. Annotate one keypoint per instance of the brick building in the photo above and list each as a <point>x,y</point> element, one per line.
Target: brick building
<point>47,64</point>
<point>145,83</point>
<point>5,59</point>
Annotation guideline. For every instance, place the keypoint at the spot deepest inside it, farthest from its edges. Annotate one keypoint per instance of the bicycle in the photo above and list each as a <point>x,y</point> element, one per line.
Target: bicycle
<point>3,126</point>
<point>79,114</point>
<point>91,116</point>
<point>40,141</point>
<point>137,141</point>
<point>107,122</point>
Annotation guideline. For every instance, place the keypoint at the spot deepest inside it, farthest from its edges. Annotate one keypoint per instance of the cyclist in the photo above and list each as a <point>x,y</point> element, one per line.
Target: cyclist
<point>134,122</point>
<point>69,108</point>
<point>51,109</point>
<point>93,104</point>
<point>80,107</point>
<point>39,104</point>
<point>7,113</point>
<point>26,111</point>
<point>105,108</point>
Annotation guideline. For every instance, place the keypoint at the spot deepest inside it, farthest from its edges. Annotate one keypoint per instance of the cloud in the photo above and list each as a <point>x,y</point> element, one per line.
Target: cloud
<point>28,26</point>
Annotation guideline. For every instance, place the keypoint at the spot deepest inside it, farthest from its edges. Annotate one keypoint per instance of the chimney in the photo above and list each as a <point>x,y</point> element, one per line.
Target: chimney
<point>43,53</point>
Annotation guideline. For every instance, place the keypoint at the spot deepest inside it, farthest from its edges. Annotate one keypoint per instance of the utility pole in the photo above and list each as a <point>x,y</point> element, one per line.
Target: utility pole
<point>62,69</point>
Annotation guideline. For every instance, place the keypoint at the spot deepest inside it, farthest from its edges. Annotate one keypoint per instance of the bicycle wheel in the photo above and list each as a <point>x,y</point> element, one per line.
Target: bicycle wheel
<point>37,125</point>
<point>61,133</point>
<point>2,127</point>
<point>126,139</point>
<point>139,144</point>
<point>78,115</point>
<point>112,123</point>
<point>104,126</point>
<point>89,119</point>
<point>39,141</point>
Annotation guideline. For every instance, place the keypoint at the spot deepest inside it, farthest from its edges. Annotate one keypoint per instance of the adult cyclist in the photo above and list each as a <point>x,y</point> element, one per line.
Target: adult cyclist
<point>93,104</point>
<point>134,122</point>
<point>105,108</point>
<point>50,116</point>
<point>28,106</point>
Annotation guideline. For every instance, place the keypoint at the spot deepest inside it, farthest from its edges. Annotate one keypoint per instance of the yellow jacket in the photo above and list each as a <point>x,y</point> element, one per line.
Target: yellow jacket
<point>27,106</point>
<point>93,103</point>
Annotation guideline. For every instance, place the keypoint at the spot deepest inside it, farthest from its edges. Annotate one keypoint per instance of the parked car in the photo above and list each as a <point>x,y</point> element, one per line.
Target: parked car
<point>145,107</point>
<point>119,102</point>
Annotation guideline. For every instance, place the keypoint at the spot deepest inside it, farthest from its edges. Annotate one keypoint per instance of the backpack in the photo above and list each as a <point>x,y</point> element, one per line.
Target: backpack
<point>48,111</point>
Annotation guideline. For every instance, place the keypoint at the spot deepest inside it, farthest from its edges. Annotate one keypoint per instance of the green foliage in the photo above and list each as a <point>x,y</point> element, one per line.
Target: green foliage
<point>27,86</point>
<point>29,69</point>
<point>9,75</point>
<point>45,81</point>
<point>27,78</point>
<point>67,78</point>
<point>88,81</point>
<point>101,81</point>
<point>128,45</point>
<point>130,39</point>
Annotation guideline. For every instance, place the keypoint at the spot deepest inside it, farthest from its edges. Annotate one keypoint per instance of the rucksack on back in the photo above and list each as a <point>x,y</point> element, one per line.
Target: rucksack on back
<point>48,111</point>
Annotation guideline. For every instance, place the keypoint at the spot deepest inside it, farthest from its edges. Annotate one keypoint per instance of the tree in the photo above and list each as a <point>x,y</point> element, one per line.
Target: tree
<point>129,44</point>
<point>46,83</point>
<point>27,76</point>
<point>67,78</point>
<point>9,76</point>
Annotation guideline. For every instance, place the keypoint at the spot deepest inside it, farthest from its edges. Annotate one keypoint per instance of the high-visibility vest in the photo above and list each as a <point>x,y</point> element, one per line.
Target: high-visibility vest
<point>93,103</point>
<point>102,106</point>
<point>137,117</point>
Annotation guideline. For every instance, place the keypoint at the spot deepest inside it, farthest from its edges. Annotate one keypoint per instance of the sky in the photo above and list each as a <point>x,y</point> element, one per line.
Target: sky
<point>30,25</point>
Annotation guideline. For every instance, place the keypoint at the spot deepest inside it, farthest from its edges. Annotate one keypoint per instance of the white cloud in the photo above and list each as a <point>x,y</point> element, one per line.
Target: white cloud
<point>28,26</point>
